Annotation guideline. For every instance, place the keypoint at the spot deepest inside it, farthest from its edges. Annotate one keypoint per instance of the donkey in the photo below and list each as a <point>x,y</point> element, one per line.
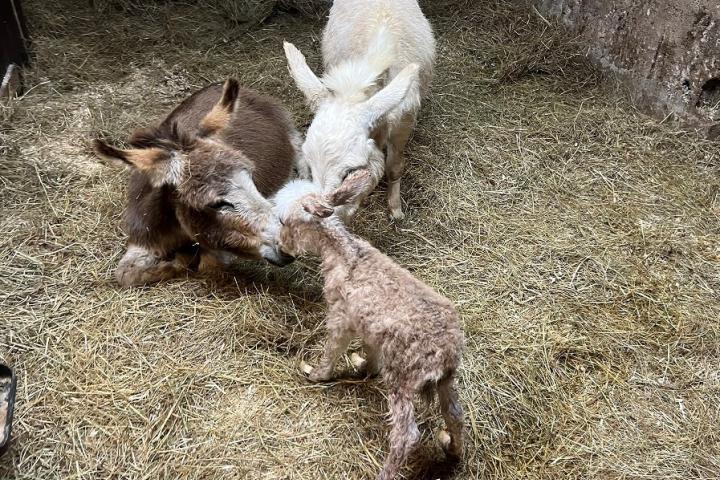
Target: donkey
<point>365,43</point>
<point>198,193</point>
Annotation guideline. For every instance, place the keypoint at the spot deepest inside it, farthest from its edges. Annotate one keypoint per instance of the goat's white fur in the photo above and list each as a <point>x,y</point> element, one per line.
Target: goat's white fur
<point>290,193</point>
<point>366,44</point>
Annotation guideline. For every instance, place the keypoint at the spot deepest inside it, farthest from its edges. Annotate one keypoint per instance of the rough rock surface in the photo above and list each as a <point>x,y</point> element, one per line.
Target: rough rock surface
<point>667,51</point>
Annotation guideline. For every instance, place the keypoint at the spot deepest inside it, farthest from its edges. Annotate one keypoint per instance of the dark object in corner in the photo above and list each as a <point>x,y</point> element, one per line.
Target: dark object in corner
<point>13,46</point>
<point>8,385</point>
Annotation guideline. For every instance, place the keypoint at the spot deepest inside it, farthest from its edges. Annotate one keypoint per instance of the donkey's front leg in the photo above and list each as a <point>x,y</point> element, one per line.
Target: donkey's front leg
<point>140,266</point>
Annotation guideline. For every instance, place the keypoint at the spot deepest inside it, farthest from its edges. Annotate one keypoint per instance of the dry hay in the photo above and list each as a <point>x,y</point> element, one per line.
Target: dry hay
<point>248,13</point>
<point>578,238</point>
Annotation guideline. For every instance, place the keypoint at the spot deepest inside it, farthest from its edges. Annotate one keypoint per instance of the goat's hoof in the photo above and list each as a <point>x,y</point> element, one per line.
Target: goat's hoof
<point>314,374</point>
<point>317,376</point>
<point>358,362</point>
<point>453,450</point>
<point>444,439</point>
<point>397,214</point>
<point>305,368</point>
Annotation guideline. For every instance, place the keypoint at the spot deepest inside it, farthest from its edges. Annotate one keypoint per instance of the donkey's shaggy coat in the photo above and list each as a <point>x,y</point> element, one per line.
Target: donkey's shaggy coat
<point>200,179</point>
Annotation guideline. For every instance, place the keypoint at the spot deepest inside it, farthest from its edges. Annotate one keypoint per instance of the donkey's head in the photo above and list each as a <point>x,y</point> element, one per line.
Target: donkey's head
<point>216,200</point>
<point>305,212</point>
<point>347,110</point>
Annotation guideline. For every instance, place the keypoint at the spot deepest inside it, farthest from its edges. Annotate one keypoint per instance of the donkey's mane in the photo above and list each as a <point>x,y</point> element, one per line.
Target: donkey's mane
<point>168,136</point>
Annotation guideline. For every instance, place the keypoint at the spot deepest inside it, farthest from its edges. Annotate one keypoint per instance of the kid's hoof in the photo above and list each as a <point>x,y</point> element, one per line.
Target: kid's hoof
<point>358,362</point>
<point>305,368</point>
<point>444,439</point>
<point>449,447</point>
<point>314,374</point>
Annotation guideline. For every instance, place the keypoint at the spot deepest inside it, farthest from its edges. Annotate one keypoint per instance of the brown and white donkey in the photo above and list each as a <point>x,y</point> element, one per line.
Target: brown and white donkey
<point>201,181</point>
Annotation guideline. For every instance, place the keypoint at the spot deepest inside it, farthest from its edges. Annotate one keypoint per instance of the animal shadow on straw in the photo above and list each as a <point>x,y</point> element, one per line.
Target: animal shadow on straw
<point>434,468</point>
<point>244,278</point>
<point>292,295</point>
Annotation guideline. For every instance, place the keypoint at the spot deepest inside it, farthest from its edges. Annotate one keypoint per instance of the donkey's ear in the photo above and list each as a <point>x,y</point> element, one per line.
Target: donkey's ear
<point>219,116</point>
<point>140,158</point>
<point>158,164</point>
<point>308,83</point>
<point>405,83</point>
<point>314,206</point>
<point>356,185</point>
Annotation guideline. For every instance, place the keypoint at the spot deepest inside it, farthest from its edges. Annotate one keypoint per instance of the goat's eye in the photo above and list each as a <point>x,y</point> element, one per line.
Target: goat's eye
<point>221,205</point>
<point>281,222</point>
<point>348,172</point>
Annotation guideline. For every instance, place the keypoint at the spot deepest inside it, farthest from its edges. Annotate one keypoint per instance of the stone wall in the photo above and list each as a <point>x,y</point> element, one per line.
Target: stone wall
<point>667,51</point>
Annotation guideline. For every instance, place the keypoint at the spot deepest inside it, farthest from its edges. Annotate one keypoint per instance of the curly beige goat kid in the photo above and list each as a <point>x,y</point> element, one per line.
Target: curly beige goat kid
<point>410,333</point>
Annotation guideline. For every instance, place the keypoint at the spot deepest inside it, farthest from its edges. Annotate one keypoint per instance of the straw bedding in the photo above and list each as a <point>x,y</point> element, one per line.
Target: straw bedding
<point>579,239</point>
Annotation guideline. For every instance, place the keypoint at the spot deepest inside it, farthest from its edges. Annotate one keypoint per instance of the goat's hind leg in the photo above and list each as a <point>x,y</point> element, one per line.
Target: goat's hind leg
<point>404,433</point>
<point>453,415</point>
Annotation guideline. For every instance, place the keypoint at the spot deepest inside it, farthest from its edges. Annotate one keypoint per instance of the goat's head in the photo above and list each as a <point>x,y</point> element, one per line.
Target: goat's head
<point>347,109</point>
<point>216,200</point>
<point>303,210</point>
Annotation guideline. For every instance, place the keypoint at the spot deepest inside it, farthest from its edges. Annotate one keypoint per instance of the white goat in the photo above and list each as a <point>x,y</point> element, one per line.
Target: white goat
<point>365,44</point>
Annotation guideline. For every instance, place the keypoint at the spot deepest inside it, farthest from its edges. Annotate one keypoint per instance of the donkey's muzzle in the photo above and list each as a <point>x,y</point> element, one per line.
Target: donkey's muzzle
<point>278,257</point>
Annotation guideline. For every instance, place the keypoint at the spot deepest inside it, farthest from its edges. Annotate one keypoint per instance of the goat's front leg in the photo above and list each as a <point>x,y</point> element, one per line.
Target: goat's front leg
<point>370,365</point>
<point>338,341</point>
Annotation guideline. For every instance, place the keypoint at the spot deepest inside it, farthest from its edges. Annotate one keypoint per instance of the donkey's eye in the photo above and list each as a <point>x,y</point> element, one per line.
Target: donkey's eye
<point>221,205</point>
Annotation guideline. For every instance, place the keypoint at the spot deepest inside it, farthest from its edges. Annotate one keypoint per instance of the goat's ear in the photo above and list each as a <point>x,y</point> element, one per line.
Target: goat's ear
<point>308,83</point>
<point>405,83</point>
<point>140,158</point>
<point>355,185</point>
<point>315,206</point>
<point>220,115</point>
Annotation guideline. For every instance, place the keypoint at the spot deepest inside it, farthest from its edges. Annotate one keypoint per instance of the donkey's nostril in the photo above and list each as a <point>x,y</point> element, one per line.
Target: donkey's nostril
<point>286,259</point>
<point>277,257</point>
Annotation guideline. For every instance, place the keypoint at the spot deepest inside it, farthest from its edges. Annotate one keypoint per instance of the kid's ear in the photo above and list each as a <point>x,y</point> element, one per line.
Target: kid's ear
<point>316,207</point>
<point>355,185</point>
<point>220,115</point>
<point>140,158</point>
